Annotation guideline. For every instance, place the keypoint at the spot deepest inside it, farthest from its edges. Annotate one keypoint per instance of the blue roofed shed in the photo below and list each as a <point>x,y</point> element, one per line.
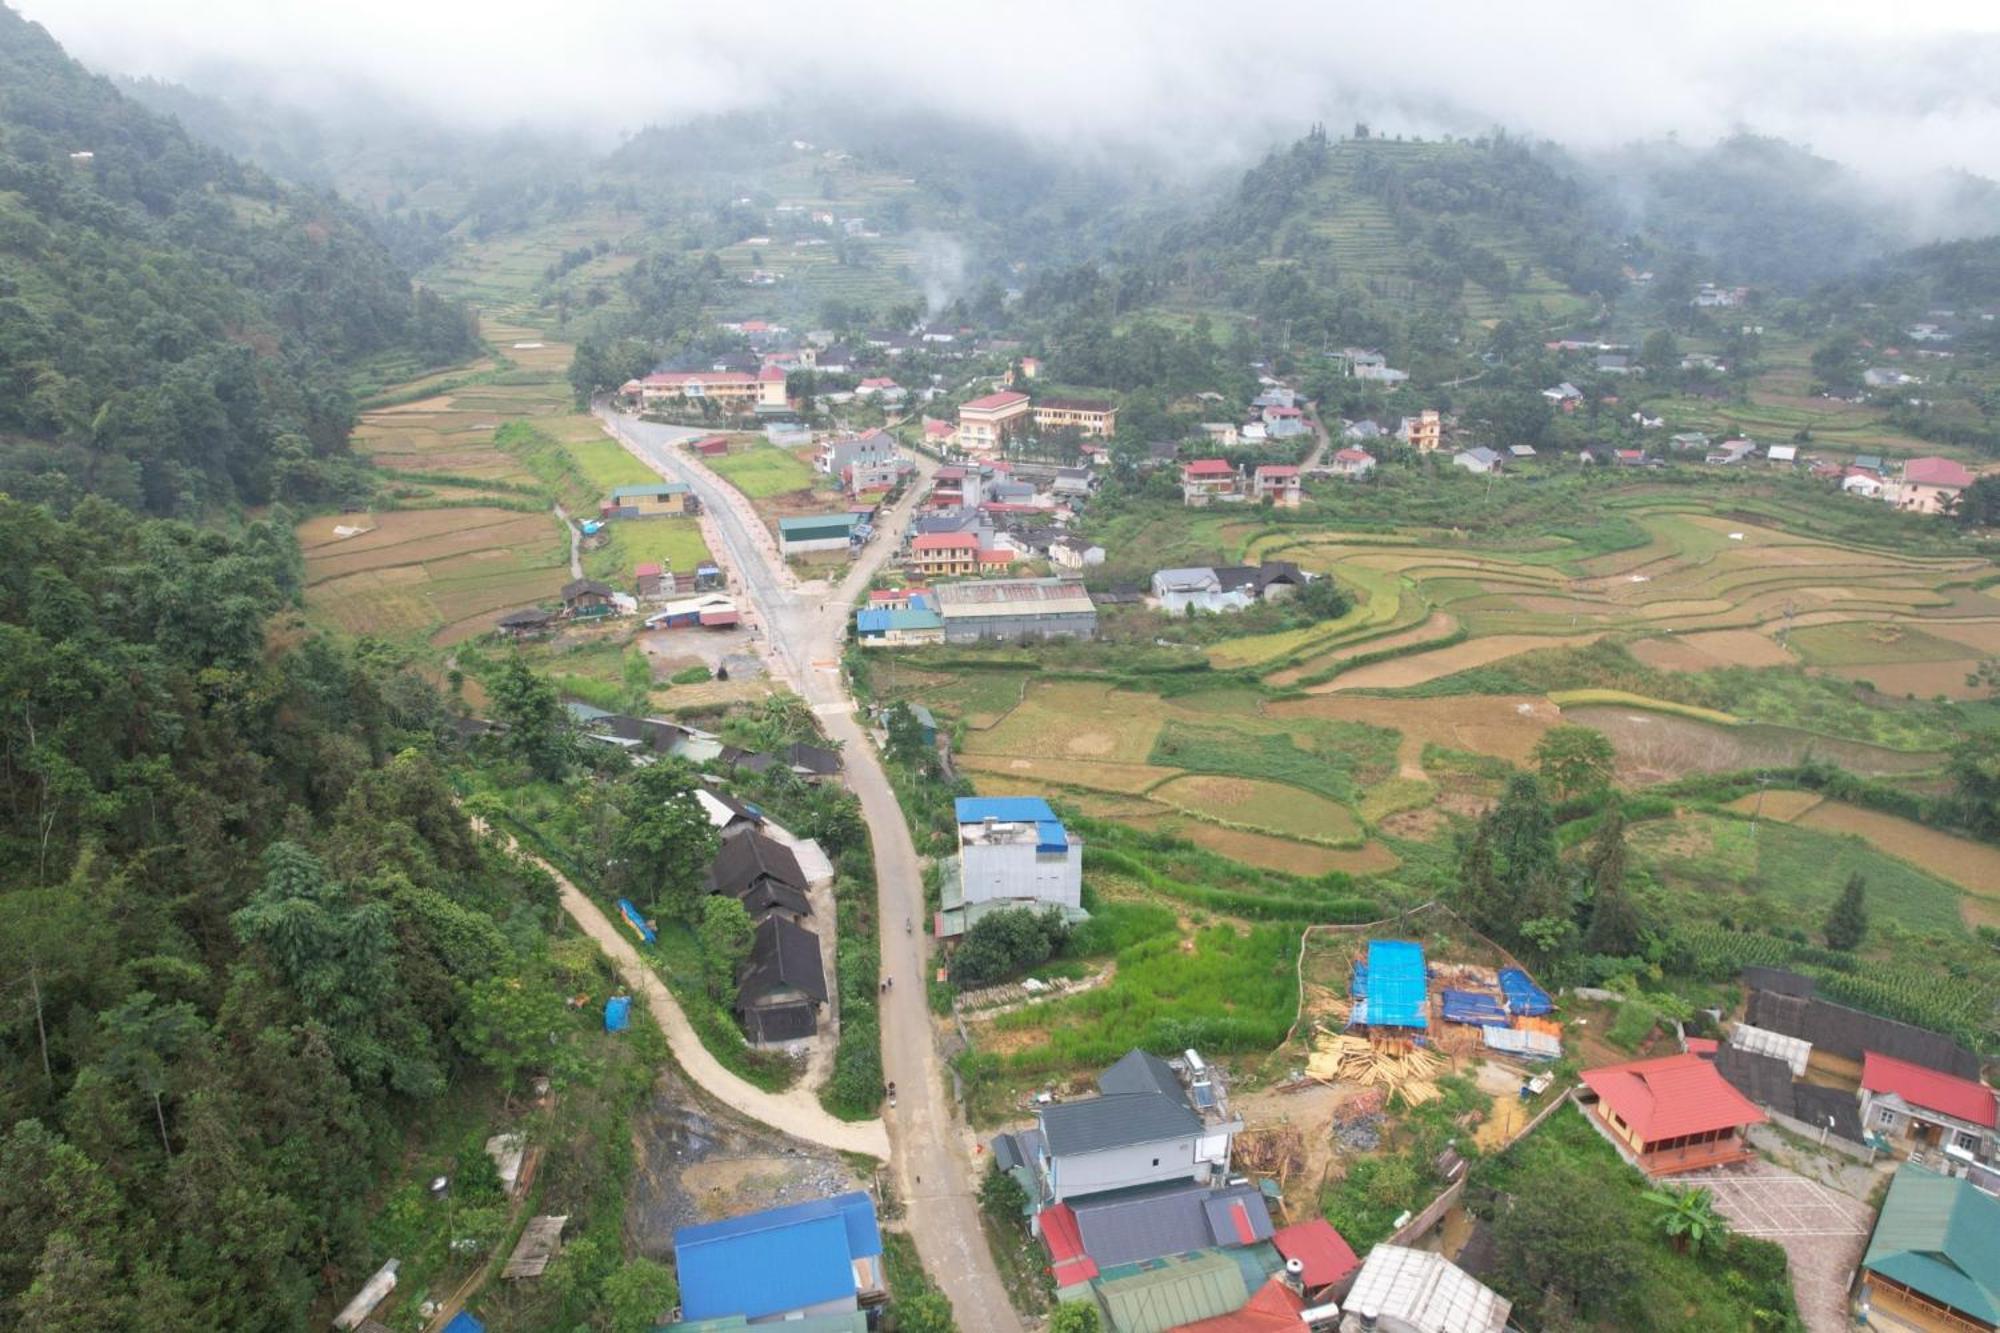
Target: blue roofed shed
<point>465,1322</point>
<point>823,1256</point>
<point>1003,809</point>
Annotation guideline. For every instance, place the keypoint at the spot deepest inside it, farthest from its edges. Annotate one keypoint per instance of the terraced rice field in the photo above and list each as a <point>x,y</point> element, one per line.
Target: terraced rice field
<point>440,574</point>
<point>1657,747</point>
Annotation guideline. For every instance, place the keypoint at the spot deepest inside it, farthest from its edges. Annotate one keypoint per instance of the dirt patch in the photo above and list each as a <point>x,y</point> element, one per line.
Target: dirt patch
<point>1783,806</point>
<point>1414,825</point>
<point>1094,744</point>
<point>1705,650</point>
<point>1269,853</point>
<point>1923,680</point>
<point>1128,778</point>
<point>1973,866</point>
<point>1405,671</point>
<point>1506,726</point>
<point>1658,747</point>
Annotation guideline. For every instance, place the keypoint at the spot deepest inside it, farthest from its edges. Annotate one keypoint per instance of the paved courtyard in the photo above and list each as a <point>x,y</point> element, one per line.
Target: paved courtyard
<point>1823,1231</point>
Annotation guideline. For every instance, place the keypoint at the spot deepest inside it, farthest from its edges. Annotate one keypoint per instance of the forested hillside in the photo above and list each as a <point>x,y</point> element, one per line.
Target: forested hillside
<point>243,930</point>
<point>175,326</point>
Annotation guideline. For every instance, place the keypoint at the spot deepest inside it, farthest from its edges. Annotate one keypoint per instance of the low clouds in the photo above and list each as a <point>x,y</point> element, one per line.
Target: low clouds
<point>1893,90</point>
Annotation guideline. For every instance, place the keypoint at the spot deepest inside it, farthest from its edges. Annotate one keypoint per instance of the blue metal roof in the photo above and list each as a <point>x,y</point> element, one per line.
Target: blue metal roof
<point>465,1322</point>
<point>879,620</point>
<point>1005,809</point>
<point>775,1261</point>
<point>1051,836</point>
<point>1394,984</point>
<point>650,488</point>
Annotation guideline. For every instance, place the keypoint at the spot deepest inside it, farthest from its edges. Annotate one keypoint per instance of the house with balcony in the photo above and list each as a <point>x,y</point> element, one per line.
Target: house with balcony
<point>1278,483</point>
<point>1352,463</point>
<point>1206,481</point>
<point>936,555</point>
<point>1423,432</point>
<point>1670,1115</point>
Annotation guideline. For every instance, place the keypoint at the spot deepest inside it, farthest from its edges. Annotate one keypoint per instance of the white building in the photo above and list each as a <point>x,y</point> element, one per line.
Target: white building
<point>1012,852</point>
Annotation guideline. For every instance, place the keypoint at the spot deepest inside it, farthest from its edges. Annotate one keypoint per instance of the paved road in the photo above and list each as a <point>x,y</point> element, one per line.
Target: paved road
<point>796,1111</point>
<point>803,625</point>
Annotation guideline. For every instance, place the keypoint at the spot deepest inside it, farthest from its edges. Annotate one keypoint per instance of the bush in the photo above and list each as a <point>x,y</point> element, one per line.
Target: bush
<point>1006,943</point>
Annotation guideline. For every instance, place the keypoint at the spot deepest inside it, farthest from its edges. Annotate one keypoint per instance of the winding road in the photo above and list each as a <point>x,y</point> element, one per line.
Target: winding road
<point>802,625</point>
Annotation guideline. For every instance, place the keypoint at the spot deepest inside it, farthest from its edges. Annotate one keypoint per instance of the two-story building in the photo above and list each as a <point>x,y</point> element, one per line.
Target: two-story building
<point>945,554</point>
<point>737,390</point>
<point>1092,416</point>
<point>1352,463</point>
<point>1278,483</point>
<point>1208,480</point>
<point>1012,852</point>
<point>985,424</point>
<point>1423,432</point>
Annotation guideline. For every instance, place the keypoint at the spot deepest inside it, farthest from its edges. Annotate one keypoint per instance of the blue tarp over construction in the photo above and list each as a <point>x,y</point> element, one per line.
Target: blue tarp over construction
<point>465,1322</point>
<point>1390,988</point>
<point>1467,1006</point>
<point>635,922</point>
<point>618,1013</point>
<point>1523,995</point>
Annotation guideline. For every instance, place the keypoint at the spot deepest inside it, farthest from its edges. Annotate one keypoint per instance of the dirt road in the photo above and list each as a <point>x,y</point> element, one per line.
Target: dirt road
<point>804,625</point>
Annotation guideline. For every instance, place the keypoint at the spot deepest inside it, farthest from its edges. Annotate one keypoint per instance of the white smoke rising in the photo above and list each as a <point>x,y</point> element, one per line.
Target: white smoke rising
<point>940,267</point>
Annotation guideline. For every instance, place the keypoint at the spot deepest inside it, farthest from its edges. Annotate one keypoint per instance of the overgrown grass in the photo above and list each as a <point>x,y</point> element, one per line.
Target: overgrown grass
<point>1341,758</point>
<point>762,471</point>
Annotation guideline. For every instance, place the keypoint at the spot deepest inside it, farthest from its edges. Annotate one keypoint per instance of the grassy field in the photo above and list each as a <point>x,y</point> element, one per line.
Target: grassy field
<point>763,470</point>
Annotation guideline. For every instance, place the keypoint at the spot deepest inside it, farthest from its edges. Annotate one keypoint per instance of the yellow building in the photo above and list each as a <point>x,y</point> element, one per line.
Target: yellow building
<point>1424,432</point>
<point>985,423</point>
<point>945,554</point>
<point>1092,416</point>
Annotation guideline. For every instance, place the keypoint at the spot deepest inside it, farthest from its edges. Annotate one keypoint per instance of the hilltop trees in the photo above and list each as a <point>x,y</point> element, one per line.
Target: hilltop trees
<point>1575,761</point>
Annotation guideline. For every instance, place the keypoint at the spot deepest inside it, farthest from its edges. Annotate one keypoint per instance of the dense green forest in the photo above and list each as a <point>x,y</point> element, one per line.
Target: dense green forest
<point>242,932</point>
<point>175,327</point>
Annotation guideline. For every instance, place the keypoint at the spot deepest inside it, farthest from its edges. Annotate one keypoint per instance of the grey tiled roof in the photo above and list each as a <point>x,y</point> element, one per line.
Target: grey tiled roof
<point>1140,1071</point>
<point>1120,1120</point>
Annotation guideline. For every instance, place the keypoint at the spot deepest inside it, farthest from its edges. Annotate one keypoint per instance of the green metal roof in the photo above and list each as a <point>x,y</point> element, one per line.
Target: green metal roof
<point>1160,1294</point>
<point>1940,1237</point>
<point>816,525</point>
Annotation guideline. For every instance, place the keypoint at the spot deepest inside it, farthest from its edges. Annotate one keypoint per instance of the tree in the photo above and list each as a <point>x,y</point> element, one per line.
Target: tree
<point>1688,1218</point>
<point>1575,761</point>
<point>515,1024</point>
<point>1660,354</point>
<point>726,934</point>
<point>1837,362</point>
<point>1567,1238</point>
<point>906,741</point>
<point>1847,924</point>
<point>664,840</point>
<point>142,1037</point>
<point>639,1296</point>
<point>1614,923</point>
<point>537,728</point>
<point>1075,1317</point>
<point>1974,767</point>
<point>1002,1196</point>
<point>1323,599</point>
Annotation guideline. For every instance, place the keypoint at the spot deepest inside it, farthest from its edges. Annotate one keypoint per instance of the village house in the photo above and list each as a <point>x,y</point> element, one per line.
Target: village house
<point>653,499</point>
<point>1933,1260</point>
<point>1402,1290</point>
<point>1222,434</point>
<point>762,874</point>
<point>1206,480</point>
<point>1092,416</point>
<point>1671,1114</point>
<point>1352,463</point>
<point>1010,609</point>
<point>1278,483</point>
<point>650,581</point>
<point>709,610</point>
<point>1075,553</point>
<point>985,424</point>
<point>1478,460</point>
<point>1692,439</point>
<point>1230,588</point>
<point>528,623</point>
<point>801,1265</point>
<point>585,599</point>
<point>1423,432</point>
<point>1565,395</point>
<point>737,390</point>
<point>1012,852</point>
<point>880,387</point>
<point>1923,1111</point>
<point>1932,485</point>
<point>1284,423</point>
<point>783,985</point>
<point>915,621</point>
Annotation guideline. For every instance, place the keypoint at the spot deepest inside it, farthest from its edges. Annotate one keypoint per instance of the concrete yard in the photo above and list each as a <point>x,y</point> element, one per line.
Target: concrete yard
<point>1823,1231</point>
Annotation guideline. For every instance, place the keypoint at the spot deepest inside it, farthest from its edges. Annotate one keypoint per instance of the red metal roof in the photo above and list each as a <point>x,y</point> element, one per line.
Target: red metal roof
<point>1274,1307</point>
<point>946,541</point>
<point>998,555</point>
<point>1207,467</point>
<point>769,373</point>
<point>1065,1241</point>
<point>718,619</point>
<point>1325,1252</point>
<point>1671,1096</point>
<point>1277,470</point>
<point>649,570</point>
<point>1701,1045</point>
<point>992,402</point>
<point>1929,1089</point>
<point>1355,456</point>
<point>1936,472</point>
